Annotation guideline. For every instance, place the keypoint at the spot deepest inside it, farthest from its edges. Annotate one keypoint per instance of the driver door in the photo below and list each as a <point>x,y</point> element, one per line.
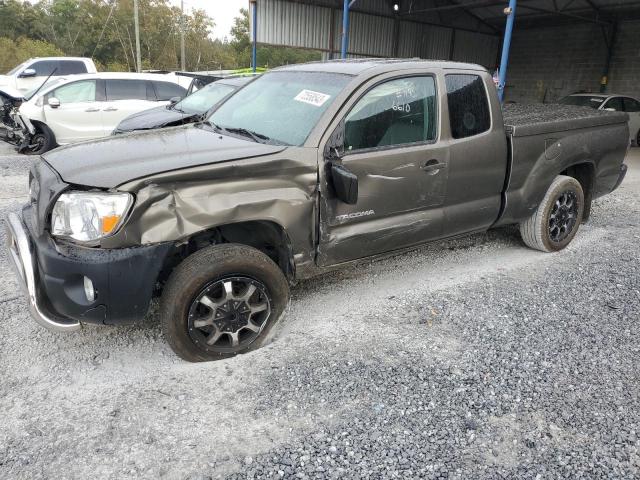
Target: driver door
<point>79,116</point>
<point>391,145</point>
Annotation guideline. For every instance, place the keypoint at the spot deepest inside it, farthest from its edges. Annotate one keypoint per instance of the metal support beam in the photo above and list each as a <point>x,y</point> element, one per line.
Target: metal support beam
<point>610,49</point>
<point>254,34</point>
<point>345,29</point>
<point>137,33</point>
<point>183,55</point>
<point>506,44</point>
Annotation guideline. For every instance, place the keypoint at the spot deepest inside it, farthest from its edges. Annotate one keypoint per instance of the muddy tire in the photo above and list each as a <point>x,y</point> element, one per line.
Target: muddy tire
<point>221,301</point>
<point>42,141</point>
<point>557,219</point>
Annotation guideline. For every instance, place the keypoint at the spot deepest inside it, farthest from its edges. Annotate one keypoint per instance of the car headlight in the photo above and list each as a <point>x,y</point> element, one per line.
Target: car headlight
<point>89,216</point>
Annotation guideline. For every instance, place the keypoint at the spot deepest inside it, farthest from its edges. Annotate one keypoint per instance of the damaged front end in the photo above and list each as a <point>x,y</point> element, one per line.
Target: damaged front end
<point>14,129</point>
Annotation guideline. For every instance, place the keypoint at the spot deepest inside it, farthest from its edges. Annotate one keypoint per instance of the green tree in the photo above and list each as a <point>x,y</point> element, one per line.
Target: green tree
<point>13,53</point>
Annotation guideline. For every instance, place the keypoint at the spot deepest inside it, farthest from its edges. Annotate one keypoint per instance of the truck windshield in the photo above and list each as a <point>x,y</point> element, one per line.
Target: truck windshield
<point>583,101</point>
<point>281,107</point>
<point>204,99</point>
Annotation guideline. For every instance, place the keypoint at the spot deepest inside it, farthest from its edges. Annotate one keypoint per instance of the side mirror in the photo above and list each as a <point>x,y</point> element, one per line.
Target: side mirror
<point>609,109</point>
<point>27,72</point>
<point>174,100</point>
<point>345,183</point>
<point>53,102</point>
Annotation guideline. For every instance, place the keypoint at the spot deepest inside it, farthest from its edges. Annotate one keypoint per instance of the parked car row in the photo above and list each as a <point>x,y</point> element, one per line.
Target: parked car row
<point>611,103</point>
<point>84,107</point>
<point>49,102</point>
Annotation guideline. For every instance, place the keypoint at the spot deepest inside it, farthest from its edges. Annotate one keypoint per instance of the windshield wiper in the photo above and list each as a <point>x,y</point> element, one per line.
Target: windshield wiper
<point>257,137</point>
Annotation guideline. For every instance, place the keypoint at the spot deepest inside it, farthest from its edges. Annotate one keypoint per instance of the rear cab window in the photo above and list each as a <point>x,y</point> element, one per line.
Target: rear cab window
<point>468,103</point>
<point>72,67</point>
<point>631,105</point>
<point>397,112</point>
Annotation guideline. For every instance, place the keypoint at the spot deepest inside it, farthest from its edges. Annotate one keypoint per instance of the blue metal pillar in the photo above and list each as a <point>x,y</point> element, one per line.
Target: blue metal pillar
<point>254,36</point>
<point>504,61</point>
<point>345,29</point>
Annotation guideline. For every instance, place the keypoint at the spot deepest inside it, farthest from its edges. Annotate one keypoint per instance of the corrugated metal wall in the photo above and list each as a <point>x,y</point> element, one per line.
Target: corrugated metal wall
<point>282,22</point>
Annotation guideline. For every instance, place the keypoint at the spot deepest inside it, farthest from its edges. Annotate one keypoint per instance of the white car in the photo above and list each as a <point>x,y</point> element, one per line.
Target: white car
<point>31,74</point>
<point>611,102</point>
<point>85,107</point>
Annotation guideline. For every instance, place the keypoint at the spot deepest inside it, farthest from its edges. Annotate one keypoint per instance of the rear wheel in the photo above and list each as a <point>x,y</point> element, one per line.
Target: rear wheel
<point>221,301</point>
<point>638,139</point>
<point>557,219</point>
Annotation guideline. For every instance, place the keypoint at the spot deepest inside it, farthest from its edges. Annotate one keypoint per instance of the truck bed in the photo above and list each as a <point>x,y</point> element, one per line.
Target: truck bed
<point>545,140</point>
<point>522,120</point>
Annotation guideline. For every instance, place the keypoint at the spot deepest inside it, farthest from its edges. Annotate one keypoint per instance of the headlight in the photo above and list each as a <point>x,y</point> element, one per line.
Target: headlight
<point>89,216</point>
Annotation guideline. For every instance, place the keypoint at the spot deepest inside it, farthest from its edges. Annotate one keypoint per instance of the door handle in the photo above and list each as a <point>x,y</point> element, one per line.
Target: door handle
<point>92,110</point>
<point>110,109</point>
<point>432,166</point>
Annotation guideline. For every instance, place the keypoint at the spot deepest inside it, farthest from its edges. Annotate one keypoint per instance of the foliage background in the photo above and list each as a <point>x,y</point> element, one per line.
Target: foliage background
<point>104,30</point>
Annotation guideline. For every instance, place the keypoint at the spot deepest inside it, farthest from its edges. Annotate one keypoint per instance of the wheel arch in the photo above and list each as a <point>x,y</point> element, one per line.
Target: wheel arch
<point>266,236</point>
<point>585,174</point>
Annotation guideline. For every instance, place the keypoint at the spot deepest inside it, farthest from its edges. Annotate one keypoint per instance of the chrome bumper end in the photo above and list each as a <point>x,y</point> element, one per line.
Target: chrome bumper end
<point>23,261</point>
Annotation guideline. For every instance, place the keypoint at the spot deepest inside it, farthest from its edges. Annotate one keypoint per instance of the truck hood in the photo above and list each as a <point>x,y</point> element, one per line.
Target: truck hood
<point>153,118</point>
<point>112,161</point>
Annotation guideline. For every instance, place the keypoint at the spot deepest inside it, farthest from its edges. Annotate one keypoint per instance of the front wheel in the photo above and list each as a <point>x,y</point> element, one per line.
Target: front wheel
<point>40,142</point>
<point>557,219</point>
<point>222,301</point>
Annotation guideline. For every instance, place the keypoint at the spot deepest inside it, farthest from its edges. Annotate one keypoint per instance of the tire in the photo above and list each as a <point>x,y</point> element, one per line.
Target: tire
<point>204,301</point>
<point>557,219</point>
<point>638,139</point>
<point>42,141</point>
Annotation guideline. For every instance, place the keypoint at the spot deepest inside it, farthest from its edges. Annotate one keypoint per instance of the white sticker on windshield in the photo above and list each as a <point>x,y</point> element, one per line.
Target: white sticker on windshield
<point>313,98</point>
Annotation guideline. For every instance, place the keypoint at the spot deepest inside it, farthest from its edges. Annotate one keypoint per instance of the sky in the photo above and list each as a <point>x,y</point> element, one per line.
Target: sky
<point>222,11</point>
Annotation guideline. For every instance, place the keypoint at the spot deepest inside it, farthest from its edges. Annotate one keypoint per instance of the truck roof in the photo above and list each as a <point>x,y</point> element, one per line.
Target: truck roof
<point>358,66</point>
<point>61,58</point>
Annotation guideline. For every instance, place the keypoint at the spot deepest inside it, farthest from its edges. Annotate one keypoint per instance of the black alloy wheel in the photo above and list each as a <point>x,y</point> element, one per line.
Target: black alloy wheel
<point>229,314</point>
<point>563,216</point>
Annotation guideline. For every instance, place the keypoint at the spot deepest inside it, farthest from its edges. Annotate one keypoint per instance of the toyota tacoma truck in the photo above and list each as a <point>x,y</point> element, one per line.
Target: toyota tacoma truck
<point>305,169</point>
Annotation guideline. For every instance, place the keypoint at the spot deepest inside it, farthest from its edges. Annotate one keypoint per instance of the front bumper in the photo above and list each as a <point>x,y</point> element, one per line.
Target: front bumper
<point>23,261</point>
<point>52,277</point>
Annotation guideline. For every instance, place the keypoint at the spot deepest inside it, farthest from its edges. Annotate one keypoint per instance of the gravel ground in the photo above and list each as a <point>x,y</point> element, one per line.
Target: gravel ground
<point>474,358</point>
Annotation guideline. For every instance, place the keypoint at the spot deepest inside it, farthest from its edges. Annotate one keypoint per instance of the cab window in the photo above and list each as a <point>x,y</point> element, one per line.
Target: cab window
<point>631,105</point>
<point>76,92</point>
<point>126,90</point>
<point>397,112</point>
<point>44,68</point>
<point>614,103</point>
<point>72,67</point>
<point>167,90</point>
<point>468,105</point>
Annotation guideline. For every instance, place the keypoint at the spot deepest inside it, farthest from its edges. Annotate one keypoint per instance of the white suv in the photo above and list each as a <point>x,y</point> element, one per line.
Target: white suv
<point>30,74</point>
<point>85,107</point>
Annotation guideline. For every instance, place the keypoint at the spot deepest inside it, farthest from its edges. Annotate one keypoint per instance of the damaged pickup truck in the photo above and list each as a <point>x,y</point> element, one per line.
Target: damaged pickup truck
<point>305,169</point>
